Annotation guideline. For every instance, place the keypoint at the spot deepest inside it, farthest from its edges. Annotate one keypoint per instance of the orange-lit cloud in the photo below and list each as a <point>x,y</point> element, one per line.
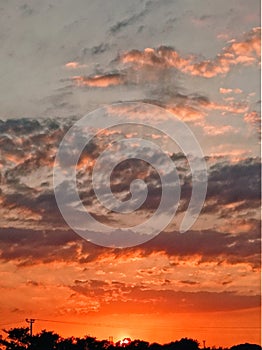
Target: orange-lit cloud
<point>231,107</point>
<point>187,113</point>
<point>215,130</point>
<point>229,91</point>
<point>239,225</point>
<point>74,65</point>
<point>100,80</point>
<point>252,118</point>
<point>235,155</point>
<point>36,192</point>
<point>244,52</point>
<point>197,112</point>
<point>162,57</point>
<point>85,162</point>
<point>222,36</point>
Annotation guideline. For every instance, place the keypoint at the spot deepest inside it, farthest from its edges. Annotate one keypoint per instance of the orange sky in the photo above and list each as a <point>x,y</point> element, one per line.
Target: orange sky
<point>217,328</point>
<point>200,63</point>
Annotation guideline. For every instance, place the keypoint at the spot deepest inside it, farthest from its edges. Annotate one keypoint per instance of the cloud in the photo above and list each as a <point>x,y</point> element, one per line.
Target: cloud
<point>74,65</point>
<point>148,301</point>
<point>119,26</point>
<point>27,196</point>
<point>229,91</point>
<point>233,189</point>
<point>214,130</point>
<point>241,224</point>
<point>163,57</point>
<point>189,282</point>
<point>143,66</point>
<point>101,81</point>
<point>187,113</point>
<point>234,182</point>
<point>30,246</point>
<point>235,108</point>
<point>138,299</point>
<point>245,52</point>
<point>253,119</point>
<point>234,155</point>
<point>209,246</point>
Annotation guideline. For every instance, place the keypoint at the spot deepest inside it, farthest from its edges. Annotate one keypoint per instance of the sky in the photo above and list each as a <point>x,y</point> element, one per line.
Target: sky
<point>198,62</point>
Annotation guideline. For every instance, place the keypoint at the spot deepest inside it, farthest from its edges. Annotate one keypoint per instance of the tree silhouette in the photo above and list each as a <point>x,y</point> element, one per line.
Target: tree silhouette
<point>183,344</point>
<point>20,339</point>
<point>246,346</point>
<point>155,346</point>
<point>17,339</point>
<point>44,341</point>
<point>67,344</point>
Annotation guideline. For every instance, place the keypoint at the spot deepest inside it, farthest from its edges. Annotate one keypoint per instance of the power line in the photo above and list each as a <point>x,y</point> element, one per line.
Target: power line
<point>40,319</point>
<point>57,321</point>
<point>105,325</point>
<point>82,323</point>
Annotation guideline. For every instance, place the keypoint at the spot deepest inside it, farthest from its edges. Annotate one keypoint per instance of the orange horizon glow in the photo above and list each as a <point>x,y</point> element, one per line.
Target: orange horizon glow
<point>218,328</point>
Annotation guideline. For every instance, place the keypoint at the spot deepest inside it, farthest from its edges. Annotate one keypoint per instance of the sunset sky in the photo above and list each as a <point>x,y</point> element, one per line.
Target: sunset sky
<point>200,62</point>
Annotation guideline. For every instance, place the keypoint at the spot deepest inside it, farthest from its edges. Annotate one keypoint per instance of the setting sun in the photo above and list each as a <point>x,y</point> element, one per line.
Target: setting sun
<point>125,341</point>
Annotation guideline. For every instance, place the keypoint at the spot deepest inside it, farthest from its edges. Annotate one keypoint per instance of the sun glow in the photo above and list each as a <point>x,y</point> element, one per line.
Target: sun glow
<point>124,342</point>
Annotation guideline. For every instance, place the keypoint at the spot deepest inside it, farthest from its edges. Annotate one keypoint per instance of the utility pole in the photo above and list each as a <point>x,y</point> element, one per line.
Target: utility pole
<point>204,343</point>
<point>30,321</point>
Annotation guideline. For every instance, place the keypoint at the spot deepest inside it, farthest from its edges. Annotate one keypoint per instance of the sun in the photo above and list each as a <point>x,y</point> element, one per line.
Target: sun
<point>124,342</point>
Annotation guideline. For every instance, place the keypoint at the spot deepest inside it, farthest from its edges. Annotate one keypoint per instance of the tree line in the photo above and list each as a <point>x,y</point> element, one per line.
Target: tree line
<point>20,339</point>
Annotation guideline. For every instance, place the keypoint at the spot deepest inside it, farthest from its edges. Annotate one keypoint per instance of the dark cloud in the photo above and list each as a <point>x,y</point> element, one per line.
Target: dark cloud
<point>233,183</point>
<point>139,299</point>
<point>99,49</point>
<point>148,301</point>
<point>190,283</point>
<point>20,126</point>
<point>120,25</point>
<point>26,247</point>
<point>30,147</point>
<point>27,144</point>
<point>29,247</point>
<point>209,245</point>
<point>38,144</point>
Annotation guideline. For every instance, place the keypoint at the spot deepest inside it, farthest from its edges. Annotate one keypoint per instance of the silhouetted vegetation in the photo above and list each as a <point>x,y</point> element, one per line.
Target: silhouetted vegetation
<point>20,339</point>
